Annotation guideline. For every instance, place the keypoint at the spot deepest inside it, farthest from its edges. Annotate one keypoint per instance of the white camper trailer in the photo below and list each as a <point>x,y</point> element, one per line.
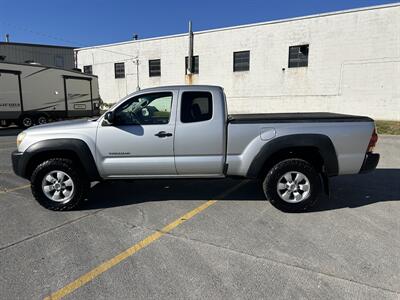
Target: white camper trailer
<point>34,94</point>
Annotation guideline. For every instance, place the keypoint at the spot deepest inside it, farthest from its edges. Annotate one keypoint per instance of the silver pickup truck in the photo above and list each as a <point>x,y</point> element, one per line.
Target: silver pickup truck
<point>186,132</point>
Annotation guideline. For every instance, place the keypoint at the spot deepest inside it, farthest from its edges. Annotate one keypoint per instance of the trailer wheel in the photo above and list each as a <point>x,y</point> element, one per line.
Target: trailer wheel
<point>26,121</point>
<point>42,119</point>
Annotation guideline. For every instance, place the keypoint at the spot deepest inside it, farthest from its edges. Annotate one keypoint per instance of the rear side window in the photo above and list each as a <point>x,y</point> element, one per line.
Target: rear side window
<point>196,107</point>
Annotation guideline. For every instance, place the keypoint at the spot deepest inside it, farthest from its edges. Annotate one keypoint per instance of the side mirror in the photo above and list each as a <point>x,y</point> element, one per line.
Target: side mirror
<point>109,117</point>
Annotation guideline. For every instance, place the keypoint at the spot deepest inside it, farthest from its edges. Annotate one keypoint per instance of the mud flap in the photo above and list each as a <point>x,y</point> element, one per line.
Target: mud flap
<point>325,183</point>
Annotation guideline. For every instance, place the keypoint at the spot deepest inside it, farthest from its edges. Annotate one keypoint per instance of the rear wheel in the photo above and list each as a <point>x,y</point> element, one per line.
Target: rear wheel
<point>292,185</point>
<point>42,119</point>
<point>58,184</point>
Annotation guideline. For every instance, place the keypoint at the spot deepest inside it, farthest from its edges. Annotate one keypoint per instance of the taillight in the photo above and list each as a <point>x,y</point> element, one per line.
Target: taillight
<point>373,141</point>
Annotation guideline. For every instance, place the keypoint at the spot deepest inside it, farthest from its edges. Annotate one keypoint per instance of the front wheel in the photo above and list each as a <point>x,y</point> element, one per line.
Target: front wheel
<point>292,185</point>
<point>58,184</point>
<point>26,121</point>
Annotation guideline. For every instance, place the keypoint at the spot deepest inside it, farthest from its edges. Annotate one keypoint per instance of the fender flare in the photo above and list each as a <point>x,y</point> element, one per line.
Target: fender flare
<point>77,146</point>
<point>319,141</point>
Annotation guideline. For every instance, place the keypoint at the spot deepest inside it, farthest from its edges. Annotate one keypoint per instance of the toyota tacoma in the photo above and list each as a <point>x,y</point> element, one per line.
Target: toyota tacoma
<point>186,132</point>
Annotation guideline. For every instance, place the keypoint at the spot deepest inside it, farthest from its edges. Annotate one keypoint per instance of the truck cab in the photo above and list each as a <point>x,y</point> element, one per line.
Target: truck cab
<point>165,132</point>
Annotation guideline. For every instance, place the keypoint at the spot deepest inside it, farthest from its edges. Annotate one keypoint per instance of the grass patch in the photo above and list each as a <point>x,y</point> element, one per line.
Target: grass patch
<point>388,127</point>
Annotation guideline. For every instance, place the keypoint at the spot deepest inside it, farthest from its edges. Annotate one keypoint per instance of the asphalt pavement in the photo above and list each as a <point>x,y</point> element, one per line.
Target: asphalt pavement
<point>164,239</point>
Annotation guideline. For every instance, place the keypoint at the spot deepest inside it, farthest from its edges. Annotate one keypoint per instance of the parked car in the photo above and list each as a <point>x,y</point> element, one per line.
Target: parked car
<point>34,94</point>
<point>186,132</point>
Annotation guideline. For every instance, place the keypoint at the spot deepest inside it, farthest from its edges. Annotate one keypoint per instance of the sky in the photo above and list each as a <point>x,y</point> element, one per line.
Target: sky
<point>95,22</point>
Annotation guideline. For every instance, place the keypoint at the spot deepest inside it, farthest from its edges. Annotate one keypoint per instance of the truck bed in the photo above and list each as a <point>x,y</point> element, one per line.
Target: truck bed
<point>321,117</point>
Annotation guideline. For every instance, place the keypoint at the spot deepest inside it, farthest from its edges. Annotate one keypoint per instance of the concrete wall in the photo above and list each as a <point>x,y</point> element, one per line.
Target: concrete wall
<point>55,56</point>
<point>354,64</point>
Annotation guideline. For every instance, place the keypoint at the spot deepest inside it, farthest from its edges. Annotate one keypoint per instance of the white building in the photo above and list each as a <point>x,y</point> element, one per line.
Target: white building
<point>346,61</point>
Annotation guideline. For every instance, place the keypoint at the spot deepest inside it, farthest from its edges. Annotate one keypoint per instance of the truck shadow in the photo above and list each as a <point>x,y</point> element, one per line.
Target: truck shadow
<point>10,131</point>
<point>382,185</point>
<point>346,191</point>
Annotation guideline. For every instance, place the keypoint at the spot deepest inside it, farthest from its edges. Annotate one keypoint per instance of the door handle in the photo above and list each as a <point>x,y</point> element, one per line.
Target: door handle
<point>162,134</point>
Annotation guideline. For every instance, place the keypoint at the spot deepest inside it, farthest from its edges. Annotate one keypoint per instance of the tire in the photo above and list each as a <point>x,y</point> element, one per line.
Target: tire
<point>42,119</point>
<point>26,121</point>
<point>292,195</point>
<point>65,195</point>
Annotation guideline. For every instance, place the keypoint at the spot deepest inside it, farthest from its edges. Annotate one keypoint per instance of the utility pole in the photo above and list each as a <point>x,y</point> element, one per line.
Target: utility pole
<point>190,55</point>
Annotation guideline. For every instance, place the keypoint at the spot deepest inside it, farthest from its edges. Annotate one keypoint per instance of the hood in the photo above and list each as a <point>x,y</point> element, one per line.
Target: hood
<point>63,126</point>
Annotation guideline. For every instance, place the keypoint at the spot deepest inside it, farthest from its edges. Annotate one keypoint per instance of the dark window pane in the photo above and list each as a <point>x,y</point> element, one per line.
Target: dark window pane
<point>154,67</point>
<point>87,70</point>
<point>195,64</point>
<point>298,56</point>
<point>196,107</point>
<point>241,61</point>
<point>119,70</point>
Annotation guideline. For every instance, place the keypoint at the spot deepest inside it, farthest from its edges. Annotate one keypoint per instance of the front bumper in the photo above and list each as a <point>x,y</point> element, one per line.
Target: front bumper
<point>18,167</point>
<point>370,162</point>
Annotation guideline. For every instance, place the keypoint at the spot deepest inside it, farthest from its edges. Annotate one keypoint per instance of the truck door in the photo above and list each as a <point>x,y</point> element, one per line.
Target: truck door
<point>10,95</point>
<point>139,143</point>
<point>78,93</point>
<point>200,134</point>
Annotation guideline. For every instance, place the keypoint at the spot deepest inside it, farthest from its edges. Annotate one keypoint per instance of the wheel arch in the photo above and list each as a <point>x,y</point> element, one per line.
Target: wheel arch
<point>75,149</point>
<point>317,149</point>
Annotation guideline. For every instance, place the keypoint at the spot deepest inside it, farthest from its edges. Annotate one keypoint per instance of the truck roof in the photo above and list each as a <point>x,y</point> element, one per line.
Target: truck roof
<point>196,87</point>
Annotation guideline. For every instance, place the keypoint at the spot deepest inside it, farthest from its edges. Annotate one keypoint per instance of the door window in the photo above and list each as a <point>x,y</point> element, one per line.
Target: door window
<point>145,109</point>
<point>196,107</point>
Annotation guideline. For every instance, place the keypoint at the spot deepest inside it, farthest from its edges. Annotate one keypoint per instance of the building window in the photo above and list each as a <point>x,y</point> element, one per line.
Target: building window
<point>119,70</point>
<point>195,64</point>
<point>196,107</point>
<point>59,61</point>
<point>154,67</point>
<point>241,61</point>
<point>298,56</point>
<point>88,70</point>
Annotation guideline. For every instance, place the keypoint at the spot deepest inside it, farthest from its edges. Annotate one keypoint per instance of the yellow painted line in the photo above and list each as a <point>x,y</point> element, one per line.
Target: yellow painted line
<point>89,276</point>
<point>127,253</point>
<point>15,189</point>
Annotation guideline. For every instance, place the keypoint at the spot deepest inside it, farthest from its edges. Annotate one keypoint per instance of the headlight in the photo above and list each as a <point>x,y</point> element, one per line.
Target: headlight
<point>20,138</point>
